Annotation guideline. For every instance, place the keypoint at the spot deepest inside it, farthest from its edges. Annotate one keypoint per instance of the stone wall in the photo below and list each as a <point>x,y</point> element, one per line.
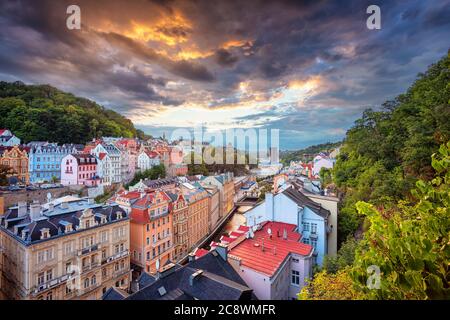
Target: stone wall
<point>11,198</point>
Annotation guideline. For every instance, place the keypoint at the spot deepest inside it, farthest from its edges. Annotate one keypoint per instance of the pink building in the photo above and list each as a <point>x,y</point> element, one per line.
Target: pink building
<point>79,169</point>
<point>272,261</point>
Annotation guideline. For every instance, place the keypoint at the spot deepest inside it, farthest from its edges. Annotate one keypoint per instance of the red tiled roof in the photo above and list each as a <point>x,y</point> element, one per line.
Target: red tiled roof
<point>227,239</point>
<point>236,234</point>
<point>129,195</point>
<point>243,228</point>
<point>2,130</point>
<point>102,155</point>
<point>213,244</point>
<point>276,249</point>
<point>200,253</point>
<point>138,216</point>
<point>152,154</point>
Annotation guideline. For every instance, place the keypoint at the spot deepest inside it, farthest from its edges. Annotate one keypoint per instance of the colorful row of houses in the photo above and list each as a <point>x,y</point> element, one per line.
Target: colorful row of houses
<point>111,160</point>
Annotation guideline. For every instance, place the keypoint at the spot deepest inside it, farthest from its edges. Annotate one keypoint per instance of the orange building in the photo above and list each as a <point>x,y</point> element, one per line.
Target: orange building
<point>17,159</point>
<point>151,234</point>
<point>198,214</point>
<point>180,211</point>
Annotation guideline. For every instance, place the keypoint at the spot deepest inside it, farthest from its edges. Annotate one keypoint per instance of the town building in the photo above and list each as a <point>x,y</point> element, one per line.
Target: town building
<point>147,159</point>
<point>271,260</point>
<point>210,277</point>
<point>198,212</point>
<point>73,249</point>
<point>322,161</point>
<point>79,169</point>
<point>151,234</point>
<point>148,185</point>
<point>109,162</point>
<point>225,184</point>
<point>290,205</point>
<point>8,139</point>
<point>45,160</point>
<point>16,158</point>
<point>214,204</point>
<point>180,212</point>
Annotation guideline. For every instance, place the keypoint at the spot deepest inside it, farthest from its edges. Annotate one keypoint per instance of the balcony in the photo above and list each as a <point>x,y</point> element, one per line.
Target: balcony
<point>161,239</point>
<point>116,257</point>
<point>50,284</point>
<point>88,250</point>
<point>313,235</point>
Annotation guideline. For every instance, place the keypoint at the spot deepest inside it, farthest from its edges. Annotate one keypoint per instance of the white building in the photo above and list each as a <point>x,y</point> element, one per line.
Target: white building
<point>320,162</point>
<point>109,163</point>
<point>147,159</point>
<point>8,139</point>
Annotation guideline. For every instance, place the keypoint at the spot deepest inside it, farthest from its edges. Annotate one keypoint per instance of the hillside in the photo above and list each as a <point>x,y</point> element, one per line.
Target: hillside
<point>387,151</point>
<point>42,112</point>
<point>307,154</point>
<point>393,172</point>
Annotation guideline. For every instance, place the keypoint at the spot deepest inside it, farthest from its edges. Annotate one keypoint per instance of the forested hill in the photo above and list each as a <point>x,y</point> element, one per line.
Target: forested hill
<point>394,174</point>
<point>307,153</point>
<point>387,151</point>
<point>42,112</point>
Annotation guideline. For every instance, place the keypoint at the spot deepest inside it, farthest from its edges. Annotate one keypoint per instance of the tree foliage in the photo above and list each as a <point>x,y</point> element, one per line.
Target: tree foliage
<point>155,172</point>
<point>388,150</point>
<point>42,112</point>
<point>330,286</point>
<point>410,243</point>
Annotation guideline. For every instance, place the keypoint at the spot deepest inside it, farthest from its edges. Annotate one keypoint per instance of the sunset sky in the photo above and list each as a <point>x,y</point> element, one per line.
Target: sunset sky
<point>308,68</point>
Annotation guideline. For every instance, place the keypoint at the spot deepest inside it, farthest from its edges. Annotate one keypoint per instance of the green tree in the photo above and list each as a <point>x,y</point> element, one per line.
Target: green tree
<point>410,243</point>
<point>5,171</point>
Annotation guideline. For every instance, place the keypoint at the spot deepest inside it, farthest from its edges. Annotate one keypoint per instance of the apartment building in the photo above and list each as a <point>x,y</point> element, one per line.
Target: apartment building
<point>17,159</point>
<point>198,212</point>
<point>109,162</point>
<point>70,250</point>
<point>151,234</point>
<point>180,211</point>
<point>225,184</point>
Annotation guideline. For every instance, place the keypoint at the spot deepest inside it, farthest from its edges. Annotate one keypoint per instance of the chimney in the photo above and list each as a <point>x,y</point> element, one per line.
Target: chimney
<point>194,276</point>
<point>90,201</point>
<point>285,234</point>
<point>35,211</point>
<point>51,206</point>
<point>191,257</point>
<point>134,286</point>
<point>222,250</point>
<point>22,208</point>
<point>64,205</point>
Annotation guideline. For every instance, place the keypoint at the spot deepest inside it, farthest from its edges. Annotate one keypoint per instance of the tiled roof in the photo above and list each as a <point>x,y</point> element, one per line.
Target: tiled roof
<point>276,249</point>
<point>217,280</point>
<point>301,199</point>
<point>200,252</point>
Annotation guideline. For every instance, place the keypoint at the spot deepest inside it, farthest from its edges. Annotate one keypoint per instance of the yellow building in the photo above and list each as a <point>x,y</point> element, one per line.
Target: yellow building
<point>69,250</point>
<point>17,160</point>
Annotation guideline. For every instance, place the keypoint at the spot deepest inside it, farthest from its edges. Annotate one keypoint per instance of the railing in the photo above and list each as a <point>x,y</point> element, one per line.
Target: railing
<point>116,256</point>
<point>88,250</point>
<point>161,239</point>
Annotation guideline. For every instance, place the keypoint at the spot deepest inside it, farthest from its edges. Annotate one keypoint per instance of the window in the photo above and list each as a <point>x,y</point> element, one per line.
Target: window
<point>86,283</point>
<point>104,236</point>
<point>148,240</point>
<point>314,243</point>
<point>306,241</point>
<point>305,226</point>
<point>49,275</point>
<point>68,248</point>
<point>93,280</point>
<point>314,228</point>
<point>49,254</point>
<point>148,227</point>
<point>49,296</point>
<point>148,255</point>
<point>104,254</point>
<point>295,277</point>
<point>41,278</point>
<point>41,256</point>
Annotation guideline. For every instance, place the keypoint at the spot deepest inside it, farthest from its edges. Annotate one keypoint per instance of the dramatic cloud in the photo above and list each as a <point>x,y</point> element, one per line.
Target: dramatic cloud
<point>308,68</point>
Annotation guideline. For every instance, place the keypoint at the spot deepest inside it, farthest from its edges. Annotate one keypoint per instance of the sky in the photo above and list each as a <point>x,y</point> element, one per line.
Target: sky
<point>306,68</point>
